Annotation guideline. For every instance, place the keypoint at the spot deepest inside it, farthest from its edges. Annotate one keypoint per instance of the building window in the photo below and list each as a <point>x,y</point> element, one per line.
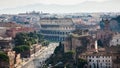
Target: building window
<point>103,60</point>
<point>101,64</point>
<point>117,57</point>
<point>89,56</point>
<point>106,60</point>
<point>98,60</point>
<point>117,40</point>
<point>94,66</point>
<point>90,66</point>
<point>96,56</point>
<point>106,56</point>
<point>89,60</point>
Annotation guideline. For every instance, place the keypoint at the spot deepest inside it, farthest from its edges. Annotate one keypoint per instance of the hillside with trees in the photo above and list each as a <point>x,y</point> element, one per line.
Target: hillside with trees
<point>61,59</point>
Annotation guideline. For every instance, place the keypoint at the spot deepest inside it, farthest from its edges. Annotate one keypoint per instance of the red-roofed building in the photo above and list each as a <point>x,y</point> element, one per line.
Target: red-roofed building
<point>9,24</point>
<point>13,31</point>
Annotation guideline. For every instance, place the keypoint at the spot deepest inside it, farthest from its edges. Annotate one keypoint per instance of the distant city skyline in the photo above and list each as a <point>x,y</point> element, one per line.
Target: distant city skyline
<point>58,6</point>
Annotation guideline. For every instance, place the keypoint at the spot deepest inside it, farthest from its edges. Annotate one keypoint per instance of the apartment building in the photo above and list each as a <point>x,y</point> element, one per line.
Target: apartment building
<point>97,60</point>
<point>108,57</point>
<point>13,31</point>
<point>115,40</point>
<point>5,42</point>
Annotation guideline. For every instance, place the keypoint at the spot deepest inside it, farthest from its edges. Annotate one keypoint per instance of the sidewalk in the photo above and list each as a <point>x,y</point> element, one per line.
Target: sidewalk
<point>31,58</point>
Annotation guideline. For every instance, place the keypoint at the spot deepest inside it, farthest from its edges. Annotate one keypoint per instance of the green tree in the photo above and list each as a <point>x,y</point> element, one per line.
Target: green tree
<point>68,56</point>
<point>26,38</point>
<point>40,38</point>
<point>81,63</point>
<point>59,49</point>
<point>100,43</point>
<point>68,66</point>
<point>4,57</point>
<point>21,39</point>
<point>33,35</point>
<point>45,43</point>
<point>21,49</point>
<point>4,60</point>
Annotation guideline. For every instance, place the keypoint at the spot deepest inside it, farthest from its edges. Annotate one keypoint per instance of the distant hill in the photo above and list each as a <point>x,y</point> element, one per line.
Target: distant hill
<point>89,6</point>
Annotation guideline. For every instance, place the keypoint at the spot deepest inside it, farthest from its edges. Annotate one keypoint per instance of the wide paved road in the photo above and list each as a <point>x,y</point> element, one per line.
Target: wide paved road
<point>40,57</point>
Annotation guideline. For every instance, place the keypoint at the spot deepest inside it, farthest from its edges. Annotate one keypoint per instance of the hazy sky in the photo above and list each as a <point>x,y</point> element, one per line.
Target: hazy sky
<point>112,5</point>
<point>16,3</point>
